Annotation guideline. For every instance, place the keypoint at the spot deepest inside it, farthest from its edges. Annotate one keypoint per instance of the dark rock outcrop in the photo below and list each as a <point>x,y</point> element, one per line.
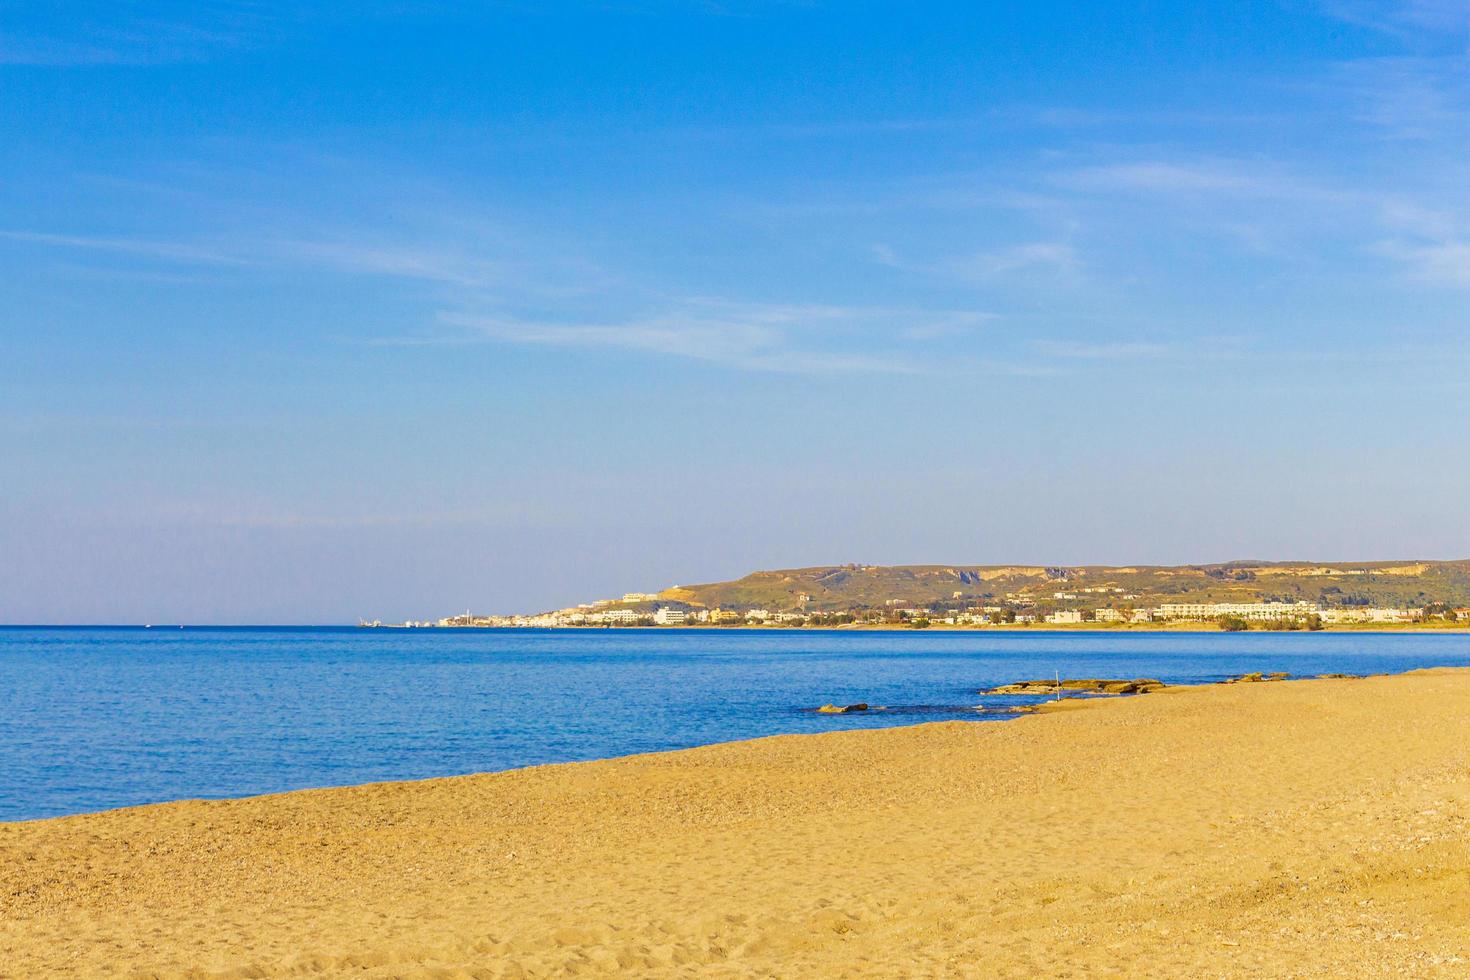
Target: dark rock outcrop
<point>1257,677</point>
<point>1080,685</point>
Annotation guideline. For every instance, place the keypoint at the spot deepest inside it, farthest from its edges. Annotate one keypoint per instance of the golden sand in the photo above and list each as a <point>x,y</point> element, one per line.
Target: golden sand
<point>1291,829</point>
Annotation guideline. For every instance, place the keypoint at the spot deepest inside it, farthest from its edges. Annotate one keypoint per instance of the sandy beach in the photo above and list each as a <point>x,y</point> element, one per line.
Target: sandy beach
<point>1305,828</point>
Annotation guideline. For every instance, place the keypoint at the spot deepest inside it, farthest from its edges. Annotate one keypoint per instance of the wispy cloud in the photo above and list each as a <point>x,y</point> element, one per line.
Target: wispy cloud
<point>379,253</point>
<point>1443,263</point>
<point>267,519</point>
<point>123,33</point>
<point>808,338</point>
<point>143,33</point>
<point>1432,244</point>
<point>733,344</point>
<point>1408,98</point>
<point>180,252</point>
<point>1266,210</point>
<point>1051,258</point>
<point>50,52</point>
<point>1407,20</point>
<point>793,339</point>
<point>398,260</point>
<point>1023,261</point>
<point>1174,177</point>
<point>1110,351</point>
<point>1008,118</point>
<point>1420,93</point>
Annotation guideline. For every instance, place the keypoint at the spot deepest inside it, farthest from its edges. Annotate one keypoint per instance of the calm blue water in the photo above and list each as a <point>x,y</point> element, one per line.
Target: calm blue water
<point>96,718</point>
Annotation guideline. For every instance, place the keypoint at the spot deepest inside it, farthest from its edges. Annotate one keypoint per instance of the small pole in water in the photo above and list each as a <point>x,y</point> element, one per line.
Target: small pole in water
<point>1059,685</point>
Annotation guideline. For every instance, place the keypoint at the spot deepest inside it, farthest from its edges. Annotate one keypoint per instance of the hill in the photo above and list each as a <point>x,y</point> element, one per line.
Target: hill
<point>834,588</point>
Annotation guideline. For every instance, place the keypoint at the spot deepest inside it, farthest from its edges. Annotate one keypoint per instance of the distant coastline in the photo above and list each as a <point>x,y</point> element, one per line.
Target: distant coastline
<point>1235,596</point>
<point>1435,626</point>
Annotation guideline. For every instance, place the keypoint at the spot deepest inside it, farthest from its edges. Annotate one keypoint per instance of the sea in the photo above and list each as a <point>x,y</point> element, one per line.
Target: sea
<point>101,717</point>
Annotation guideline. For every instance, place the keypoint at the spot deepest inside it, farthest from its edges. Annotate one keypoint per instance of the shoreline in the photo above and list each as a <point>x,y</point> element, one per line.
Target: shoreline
<point>1180,627</point>
<point>1076,699</point>
<point>1177,627</point>
<point>1229,829</point>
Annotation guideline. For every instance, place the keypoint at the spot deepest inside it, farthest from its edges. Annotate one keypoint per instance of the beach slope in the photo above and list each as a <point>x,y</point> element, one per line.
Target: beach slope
<point>1298,828</point>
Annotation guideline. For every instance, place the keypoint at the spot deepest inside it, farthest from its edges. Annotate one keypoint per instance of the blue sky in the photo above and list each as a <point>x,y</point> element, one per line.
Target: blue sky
<point>308,314</point>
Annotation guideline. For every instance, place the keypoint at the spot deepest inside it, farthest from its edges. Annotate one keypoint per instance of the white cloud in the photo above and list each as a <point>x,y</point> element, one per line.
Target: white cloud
<point>1110,351</point>
<point>1051,258</point>
<point>795,339</point>
<point>1445,263</point>
<point>1422,21</point>
<point>1409,98</point>
<point>1047,259</point>
<point>53,52</point>
<point>399,261</point>
<point>120,34</point>
<point>1162,177</point>
<point>188,253</point>
<point>385,254</point>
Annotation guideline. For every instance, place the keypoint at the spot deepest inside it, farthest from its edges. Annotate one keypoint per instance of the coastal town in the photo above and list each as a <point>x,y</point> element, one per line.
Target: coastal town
<point>650,610</point>
<point>1228,595</point>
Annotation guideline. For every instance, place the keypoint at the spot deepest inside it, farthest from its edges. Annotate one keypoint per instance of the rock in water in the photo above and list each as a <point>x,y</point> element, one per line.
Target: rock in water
<point>832,709</point>
<point>1082,685</point>
<point>1257,677</point>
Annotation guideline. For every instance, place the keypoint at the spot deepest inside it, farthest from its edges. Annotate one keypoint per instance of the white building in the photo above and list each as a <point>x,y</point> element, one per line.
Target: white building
<point>1246,610</point>
<point>623,616</point>
<point>1065,616</point>
<point>1370,614</point>
<point>670,617</point>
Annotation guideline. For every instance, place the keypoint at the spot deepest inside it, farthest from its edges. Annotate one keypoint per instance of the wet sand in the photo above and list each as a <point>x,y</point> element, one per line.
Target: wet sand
<point>1285,829</point>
